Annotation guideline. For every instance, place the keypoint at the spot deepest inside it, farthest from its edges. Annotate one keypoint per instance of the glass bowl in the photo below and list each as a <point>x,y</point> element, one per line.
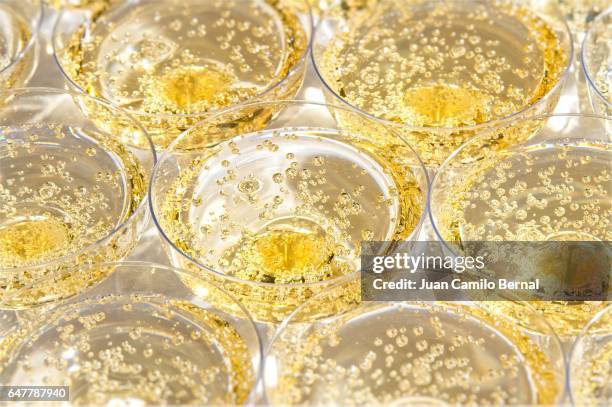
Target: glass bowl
<point>597,62</point>
<point>444,70</point>
<point>70,193</point>
<point>410,354</point>
<point>553,187</point>
<point>590,376</point>
<point>21,22</point>
<point>171,62</point>
<point>141,337</point>
<point>277,210</point>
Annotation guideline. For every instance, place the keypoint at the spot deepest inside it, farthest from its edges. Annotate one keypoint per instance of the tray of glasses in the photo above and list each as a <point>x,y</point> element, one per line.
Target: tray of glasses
<point>185,187</point>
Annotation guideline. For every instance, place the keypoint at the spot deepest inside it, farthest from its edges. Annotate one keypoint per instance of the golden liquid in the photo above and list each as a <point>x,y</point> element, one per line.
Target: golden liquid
<point>14,36</point>
<point>186,58</point>
<point>32,240</point>
<point>189,87</point>
<point>57,203</point>
<point>296,212</point>
<point>555,193</point>
<point>437,357</point>
<point>123,350</point>
<point>294,252</point>
<point>543,194</point>
<point>443,106</point>
<point>442,65</point>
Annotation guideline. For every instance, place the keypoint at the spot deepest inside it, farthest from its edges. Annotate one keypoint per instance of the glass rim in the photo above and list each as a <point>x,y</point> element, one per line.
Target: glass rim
<point>301,61</point>
<point>280,330</point>
<point>142,206</point>
<point>474,139</point>
<point>170,153</point>
<point>443,129</point>
<point>583,57</point>
<point>70,301</point>
<point>572,352</point>
<point>40,15</point>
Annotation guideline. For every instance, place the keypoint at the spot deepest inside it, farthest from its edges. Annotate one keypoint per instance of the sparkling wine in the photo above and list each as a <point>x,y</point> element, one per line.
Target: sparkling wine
<point>277,210</point>
<point>442,66</point>
<point>171,62</point>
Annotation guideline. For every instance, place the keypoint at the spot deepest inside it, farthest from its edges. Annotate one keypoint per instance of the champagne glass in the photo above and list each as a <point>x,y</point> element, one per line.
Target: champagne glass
<point>443,71</point>
<point>550,192</point>
<point>70,193</point>
<point>141,337</point>
<point>410,354</point>
<point>171,62</point>
<point>276,211</point>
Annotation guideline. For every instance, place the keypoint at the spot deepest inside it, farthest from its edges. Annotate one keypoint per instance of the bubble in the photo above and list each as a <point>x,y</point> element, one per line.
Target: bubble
<point>249,185</point>
<point>277,178</point>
